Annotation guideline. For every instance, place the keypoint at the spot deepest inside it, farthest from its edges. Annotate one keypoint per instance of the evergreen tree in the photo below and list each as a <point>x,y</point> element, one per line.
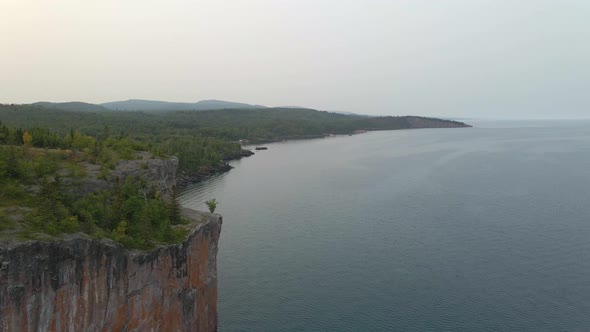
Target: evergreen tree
<point>175,209</point>
<point>12,164</point>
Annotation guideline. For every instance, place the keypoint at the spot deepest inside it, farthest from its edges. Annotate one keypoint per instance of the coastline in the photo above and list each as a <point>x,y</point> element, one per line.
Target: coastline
<point>184,179</point>
<point>205,172</point>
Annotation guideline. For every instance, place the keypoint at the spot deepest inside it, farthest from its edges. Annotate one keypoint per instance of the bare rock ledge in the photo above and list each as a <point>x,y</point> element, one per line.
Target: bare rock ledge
<point>85,284</point>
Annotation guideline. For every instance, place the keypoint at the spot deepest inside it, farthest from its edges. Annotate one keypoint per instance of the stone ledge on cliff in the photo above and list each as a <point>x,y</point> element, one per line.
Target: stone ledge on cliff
<point>83,284</point>
<point>158,172</point>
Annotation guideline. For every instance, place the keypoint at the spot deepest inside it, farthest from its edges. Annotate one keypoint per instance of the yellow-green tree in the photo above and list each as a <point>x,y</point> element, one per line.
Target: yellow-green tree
<point>27,139</point>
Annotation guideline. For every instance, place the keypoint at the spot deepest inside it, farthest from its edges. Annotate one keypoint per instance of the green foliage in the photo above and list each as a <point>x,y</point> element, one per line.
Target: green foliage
<point>175,213</point>
<point>194,152</point>
<point>107,152</point>
<point>50,214</point>
<point>130,213</point>
<point>26,166</point>
<point>197,138</point>
<point>11,168</point>
<point>212,205</point>
<point>11,189</point>
<point>120,232</point>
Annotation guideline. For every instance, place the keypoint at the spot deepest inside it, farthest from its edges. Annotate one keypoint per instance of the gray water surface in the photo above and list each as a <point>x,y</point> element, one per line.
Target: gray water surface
<point>475,229</point>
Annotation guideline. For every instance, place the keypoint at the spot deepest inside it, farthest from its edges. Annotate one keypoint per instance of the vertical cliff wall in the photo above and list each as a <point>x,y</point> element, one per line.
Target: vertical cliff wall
<point>83,284</point>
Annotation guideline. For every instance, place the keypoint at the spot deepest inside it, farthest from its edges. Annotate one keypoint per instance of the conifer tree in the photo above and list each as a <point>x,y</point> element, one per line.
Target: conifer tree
<point>175,214</point>
<point>12,164</point>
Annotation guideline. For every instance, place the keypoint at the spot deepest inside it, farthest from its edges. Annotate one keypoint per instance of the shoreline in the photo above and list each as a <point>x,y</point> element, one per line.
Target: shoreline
<point>184,179</point>
<point>205,172</point>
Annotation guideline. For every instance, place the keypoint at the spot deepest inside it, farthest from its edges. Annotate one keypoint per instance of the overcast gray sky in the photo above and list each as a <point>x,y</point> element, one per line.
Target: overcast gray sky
<point>459,58</point>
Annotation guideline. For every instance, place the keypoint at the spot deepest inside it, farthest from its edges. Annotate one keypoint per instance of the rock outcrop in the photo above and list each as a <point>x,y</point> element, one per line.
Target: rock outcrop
<point>85,284</point>
<point>160,173</point>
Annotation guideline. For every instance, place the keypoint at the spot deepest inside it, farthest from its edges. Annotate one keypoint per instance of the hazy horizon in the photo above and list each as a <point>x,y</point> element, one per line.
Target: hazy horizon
<point>459,58</point>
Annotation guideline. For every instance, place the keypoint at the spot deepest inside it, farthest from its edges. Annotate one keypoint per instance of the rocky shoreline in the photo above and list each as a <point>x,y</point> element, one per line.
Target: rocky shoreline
<point>204,172</point>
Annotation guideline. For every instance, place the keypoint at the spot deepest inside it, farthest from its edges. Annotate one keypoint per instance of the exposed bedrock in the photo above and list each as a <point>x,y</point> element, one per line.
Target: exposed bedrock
<point>85,284</point>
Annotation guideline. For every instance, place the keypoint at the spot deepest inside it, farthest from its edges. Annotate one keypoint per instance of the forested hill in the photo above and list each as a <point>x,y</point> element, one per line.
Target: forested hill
<point>148,105</point>
<point>255,125</point>
<point>77,106</point>
<point>154,105</point>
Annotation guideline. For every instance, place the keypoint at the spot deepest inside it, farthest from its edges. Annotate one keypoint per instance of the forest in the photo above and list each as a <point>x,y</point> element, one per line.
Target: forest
<point>35,199</point>
<point>42,146</point>
<point>255,125</point>
<point>197,138</point>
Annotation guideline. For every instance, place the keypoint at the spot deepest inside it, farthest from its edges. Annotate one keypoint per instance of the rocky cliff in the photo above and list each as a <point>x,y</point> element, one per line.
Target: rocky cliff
<point>84,284</point>
<point>158,172</point>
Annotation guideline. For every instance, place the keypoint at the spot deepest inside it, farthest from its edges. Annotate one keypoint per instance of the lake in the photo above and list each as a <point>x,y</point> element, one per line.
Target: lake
<point>470,229</point>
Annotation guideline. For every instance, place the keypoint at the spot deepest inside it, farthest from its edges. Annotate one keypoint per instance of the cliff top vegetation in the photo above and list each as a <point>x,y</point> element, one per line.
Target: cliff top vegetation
<point>39,175</point>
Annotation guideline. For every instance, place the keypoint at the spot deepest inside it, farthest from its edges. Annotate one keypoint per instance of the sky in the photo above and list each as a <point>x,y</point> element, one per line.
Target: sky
<point>455,58</point>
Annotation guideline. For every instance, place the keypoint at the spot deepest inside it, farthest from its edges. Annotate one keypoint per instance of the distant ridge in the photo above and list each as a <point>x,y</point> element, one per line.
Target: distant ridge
<point>155,105</point>
<point>71,106</point>
<point>350,113</point>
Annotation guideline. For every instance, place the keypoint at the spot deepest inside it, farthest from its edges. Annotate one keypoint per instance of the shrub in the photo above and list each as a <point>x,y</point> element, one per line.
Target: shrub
<point>11,189</point>
<point>212,205</point>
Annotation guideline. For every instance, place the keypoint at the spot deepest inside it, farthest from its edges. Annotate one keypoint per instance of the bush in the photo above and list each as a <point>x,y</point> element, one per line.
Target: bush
<point>212,205</point>
<point>69,225</point>
<point>11,189</point>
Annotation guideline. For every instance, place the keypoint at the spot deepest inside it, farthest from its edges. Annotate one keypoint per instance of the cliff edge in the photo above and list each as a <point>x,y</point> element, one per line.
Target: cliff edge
<point>85,284</point>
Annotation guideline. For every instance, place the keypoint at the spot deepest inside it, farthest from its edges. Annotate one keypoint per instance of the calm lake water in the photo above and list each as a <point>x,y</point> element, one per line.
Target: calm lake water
<point>475,229</point>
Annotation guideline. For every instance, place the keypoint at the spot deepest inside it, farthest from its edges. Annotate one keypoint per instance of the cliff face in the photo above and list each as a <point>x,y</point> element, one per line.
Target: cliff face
<point>83,284</point>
